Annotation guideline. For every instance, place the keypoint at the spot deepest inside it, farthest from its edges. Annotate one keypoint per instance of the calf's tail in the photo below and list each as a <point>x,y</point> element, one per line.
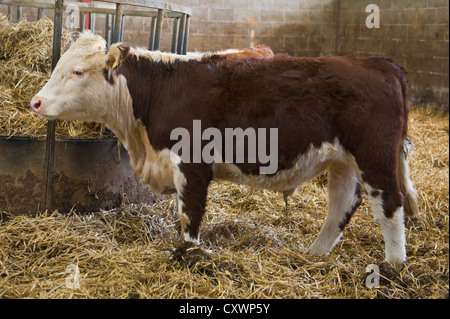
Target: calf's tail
<point>410,198</point>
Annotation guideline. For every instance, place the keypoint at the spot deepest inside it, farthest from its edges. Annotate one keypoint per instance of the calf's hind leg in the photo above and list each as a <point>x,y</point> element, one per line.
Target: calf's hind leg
<point>387,207</point>
<point>343,200</point>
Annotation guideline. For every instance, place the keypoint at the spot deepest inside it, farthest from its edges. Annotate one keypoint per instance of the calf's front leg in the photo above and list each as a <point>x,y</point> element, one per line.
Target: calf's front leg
<point>192,186</point>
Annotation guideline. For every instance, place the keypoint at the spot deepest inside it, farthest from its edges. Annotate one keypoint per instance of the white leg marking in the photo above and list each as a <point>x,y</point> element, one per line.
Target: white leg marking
<point>393,230</point>
<point>185,222</point>
<point>188,238</point>
<point>341,201</point>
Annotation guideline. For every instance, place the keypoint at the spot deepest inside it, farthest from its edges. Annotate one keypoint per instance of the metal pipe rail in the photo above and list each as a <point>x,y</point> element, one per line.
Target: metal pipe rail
<point>114,34</point>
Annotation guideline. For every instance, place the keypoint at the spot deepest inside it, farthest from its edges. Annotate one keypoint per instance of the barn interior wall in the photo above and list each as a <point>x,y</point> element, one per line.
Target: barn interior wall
<point>414,32</point>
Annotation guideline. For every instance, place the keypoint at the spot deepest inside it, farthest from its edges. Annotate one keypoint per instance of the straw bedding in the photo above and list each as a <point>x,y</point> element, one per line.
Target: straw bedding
<point>249,249</point>
<point>25,66</point>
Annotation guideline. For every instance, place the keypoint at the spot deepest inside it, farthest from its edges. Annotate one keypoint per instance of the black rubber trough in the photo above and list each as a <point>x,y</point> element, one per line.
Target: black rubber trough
<point>88,175</point>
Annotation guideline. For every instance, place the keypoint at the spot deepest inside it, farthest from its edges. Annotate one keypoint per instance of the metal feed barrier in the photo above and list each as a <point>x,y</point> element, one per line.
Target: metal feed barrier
<point>117,8</point>
<point>93,173</point>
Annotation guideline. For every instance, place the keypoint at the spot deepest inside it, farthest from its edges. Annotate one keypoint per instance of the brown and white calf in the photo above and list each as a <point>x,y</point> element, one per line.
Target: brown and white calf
<point>347,115</point>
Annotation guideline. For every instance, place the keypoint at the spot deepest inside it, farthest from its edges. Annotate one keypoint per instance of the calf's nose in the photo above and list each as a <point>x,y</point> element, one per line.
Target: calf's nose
<point>36,103</point>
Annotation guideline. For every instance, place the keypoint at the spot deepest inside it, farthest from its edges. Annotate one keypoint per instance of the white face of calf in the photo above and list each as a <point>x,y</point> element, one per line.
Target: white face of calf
<point>77,88</point>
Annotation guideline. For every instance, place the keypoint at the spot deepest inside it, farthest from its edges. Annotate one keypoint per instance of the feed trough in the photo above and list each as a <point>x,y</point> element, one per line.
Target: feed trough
<point>88,174</point>
<point>81,173</point>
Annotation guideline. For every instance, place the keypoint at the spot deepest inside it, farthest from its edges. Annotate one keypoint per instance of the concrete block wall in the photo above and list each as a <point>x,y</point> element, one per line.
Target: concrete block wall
<point>296,27</point>
<point>414,32</point>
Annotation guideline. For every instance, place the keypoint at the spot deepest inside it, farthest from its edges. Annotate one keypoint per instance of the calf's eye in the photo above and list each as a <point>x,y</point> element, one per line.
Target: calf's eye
<point>77,72</point>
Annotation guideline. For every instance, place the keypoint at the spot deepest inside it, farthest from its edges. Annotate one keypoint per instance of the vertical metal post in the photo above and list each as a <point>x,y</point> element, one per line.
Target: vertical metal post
<point>10,11</point>
<point>91,19</point>
<point>108,30</point>
<point>113,23</point>
<point>19,13</point>
<point>71,20</point>
<point>158,33</point>
<point>181,33</point>
<point>51,125</point>
<point>40,14</point>
<point>176,26</point>
<point>186,35</point>
<point>118,23</point>
<point>151,41</point>
<point>122,25</point>
<point>92,22</point>
<point>82,20</point>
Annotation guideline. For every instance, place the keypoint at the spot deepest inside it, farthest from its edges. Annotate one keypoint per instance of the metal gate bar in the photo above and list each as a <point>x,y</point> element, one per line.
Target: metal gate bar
<point>158,31</point>
<point>51,125</point>
<point>151,41</point>
<point>176,27</point>
<point>181,34</point>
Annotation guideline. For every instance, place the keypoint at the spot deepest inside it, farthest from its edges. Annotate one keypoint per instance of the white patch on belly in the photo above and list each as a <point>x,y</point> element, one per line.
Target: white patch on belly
<point>309,164</point>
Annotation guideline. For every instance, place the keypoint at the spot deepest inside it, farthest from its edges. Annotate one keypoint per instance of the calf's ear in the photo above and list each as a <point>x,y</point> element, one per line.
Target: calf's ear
<point>116,54</point>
